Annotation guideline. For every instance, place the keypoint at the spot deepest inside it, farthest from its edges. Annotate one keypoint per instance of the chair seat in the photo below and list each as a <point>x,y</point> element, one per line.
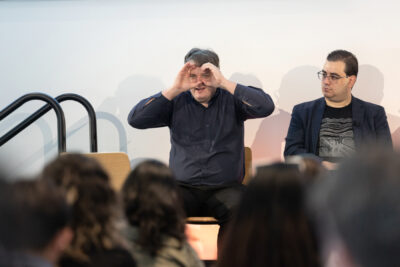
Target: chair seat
<point>201,220</point>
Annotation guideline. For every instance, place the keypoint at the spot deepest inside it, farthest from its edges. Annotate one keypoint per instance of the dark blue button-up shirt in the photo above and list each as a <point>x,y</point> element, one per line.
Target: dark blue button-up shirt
<point>207,143</point>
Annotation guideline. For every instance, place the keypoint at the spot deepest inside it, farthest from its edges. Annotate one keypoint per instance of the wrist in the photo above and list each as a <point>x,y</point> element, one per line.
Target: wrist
<point>228,85</point>
<point>170,93</point>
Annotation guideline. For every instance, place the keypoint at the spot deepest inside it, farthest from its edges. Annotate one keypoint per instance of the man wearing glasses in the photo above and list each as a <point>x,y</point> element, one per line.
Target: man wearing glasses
<point>336,125</point>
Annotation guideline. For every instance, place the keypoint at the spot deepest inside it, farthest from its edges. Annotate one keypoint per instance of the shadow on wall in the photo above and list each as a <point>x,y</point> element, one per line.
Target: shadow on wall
<point>369,87</point>
<point>246,79</point>
<point>115,109</point>
<point>298,85</point>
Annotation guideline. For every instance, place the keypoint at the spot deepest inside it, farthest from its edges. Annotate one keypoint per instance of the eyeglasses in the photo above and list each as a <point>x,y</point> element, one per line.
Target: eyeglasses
<point>322,75</point>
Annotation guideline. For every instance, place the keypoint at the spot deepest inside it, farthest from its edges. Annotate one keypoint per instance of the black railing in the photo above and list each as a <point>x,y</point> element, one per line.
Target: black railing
<point>91,113</point>
<point>51,102</point>
<point>32,118</point>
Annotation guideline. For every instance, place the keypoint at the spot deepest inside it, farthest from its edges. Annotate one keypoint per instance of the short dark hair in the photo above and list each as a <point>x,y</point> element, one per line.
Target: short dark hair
<point>359,203</point>
<point>350,61</point>
<point>32,213</point>
<point>201,56</point>
<point>271,222</point>
<point>152,203</point>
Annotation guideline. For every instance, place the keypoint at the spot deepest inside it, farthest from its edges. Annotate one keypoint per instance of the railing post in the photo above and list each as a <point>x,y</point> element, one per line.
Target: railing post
<point>61,129</point>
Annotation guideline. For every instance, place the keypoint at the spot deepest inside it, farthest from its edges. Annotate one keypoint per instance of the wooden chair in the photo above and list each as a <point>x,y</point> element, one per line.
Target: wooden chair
<point>116,164</point>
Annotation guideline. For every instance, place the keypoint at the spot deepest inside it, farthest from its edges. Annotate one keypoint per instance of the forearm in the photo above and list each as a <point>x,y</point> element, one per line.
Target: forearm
<point>229,86</point>
<point>171,93</point>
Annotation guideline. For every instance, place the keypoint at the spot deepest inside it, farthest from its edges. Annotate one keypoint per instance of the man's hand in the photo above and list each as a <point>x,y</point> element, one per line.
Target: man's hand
<point>213,77</point>
<point>182,83</point>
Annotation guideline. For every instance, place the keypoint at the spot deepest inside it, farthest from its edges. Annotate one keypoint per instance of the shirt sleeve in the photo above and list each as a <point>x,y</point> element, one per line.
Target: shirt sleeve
<point>151,112</point>
<point>253,102</point>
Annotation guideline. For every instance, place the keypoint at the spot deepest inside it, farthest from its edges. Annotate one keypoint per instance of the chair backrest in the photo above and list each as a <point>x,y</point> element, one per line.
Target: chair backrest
<point>248,162</point>
<point>116,164</point>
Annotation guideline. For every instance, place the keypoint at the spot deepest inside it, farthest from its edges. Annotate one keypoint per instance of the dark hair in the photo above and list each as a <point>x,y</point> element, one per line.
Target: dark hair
<point>271,224</point>
<point>350,61</point>
<point>32,213</point>
<point>362,199</point>
<point>201,56</point>
<point>152,203</point>
<point>94,203</point>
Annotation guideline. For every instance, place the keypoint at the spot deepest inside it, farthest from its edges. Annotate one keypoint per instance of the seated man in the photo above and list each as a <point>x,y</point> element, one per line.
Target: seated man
<point>205,113</point>
<point>334,126</point>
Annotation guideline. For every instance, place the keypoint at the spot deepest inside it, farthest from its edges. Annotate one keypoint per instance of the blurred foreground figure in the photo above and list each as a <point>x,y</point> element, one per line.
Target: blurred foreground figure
<point>95,209</point>
<point>156,217</point>
<point>359,211</point>
<point>33,224</point>
<point>271,227</point>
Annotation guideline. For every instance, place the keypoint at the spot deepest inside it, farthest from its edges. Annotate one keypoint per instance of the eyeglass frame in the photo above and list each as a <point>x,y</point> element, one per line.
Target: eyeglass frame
<point>333,78</point>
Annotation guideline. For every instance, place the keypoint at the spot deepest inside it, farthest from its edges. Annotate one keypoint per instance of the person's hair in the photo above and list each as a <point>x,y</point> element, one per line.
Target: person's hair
<point>152,203</point>
<point>309,165</point>
<point>359,204</point>
<point>94,203</point>
<point>271,226</point>
<point>350,61</point>
<point>32,213</point>
<point>201,56</point>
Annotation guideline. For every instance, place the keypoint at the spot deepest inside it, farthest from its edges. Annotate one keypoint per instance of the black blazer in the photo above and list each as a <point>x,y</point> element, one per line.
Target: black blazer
<point>369,124</point>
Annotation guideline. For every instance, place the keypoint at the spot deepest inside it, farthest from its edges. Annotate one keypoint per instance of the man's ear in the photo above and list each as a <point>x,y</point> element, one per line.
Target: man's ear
<point>352,81</point>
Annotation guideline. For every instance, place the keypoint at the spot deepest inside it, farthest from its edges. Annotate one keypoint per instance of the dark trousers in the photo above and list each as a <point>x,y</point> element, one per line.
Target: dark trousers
<point>219,202</point>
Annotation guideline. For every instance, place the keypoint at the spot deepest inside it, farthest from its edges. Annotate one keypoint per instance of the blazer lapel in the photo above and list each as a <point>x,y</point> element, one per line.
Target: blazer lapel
<point>316,119</point>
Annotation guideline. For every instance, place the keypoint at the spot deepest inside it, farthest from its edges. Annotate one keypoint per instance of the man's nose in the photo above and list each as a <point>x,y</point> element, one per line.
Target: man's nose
<point>200,81</point>
<point>326,80</point>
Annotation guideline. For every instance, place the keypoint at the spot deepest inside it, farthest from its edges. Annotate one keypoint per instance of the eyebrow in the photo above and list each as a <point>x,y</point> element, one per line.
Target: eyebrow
<point>334,73</point>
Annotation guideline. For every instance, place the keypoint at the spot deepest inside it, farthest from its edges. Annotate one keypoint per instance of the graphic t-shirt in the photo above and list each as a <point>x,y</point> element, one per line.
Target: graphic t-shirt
<point>336,139</point>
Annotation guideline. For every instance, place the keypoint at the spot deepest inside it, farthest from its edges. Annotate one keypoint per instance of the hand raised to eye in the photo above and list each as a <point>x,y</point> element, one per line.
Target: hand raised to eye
<point>211,75</point>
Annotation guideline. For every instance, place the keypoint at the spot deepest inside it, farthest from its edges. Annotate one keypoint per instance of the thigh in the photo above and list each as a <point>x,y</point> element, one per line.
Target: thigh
<point>223,201</point>
<point>191,201</point>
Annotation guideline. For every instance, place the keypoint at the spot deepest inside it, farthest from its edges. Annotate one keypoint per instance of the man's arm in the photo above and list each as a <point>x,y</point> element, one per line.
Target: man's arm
<point>295,139</point>
<point>382,128</point>
<point>253,102</point>
<point>151,112</point>
<point>156,111</point>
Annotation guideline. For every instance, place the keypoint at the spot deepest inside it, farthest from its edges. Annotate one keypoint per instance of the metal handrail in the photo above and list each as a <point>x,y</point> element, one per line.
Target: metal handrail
<point>89,108</point>
<point>51,102</point>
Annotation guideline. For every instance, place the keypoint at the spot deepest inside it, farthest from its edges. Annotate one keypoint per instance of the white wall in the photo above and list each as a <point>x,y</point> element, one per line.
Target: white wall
<point>116,52</point>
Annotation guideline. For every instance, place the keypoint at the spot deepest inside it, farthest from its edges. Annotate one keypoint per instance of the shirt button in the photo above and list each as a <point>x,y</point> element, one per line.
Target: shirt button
<point>207,125</point>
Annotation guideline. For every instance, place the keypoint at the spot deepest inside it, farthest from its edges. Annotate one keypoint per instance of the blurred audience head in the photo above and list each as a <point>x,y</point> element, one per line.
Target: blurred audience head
<point>271,224</point>
<point>359,210</point>
<point>152,204</point>
<point>34,221</point>
<point>94,202</point>
<point>309,165</point>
